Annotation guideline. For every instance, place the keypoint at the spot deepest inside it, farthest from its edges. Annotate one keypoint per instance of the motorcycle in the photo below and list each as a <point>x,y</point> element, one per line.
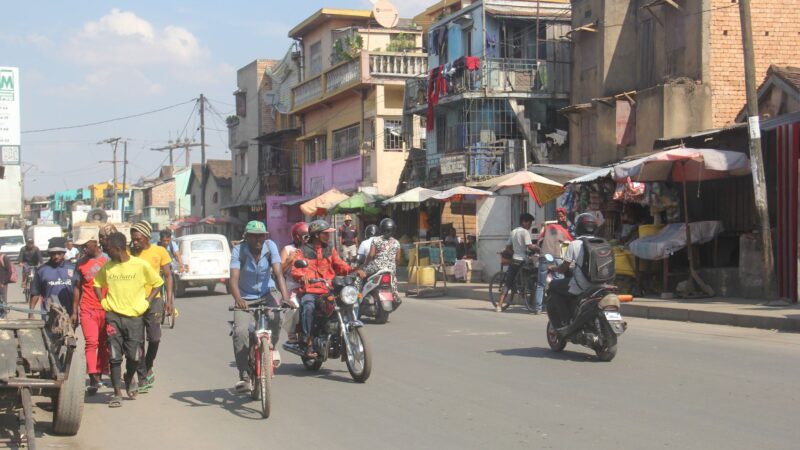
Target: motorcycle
<point>594,321</point>
<point>377,299</point>
<point>337,332</point>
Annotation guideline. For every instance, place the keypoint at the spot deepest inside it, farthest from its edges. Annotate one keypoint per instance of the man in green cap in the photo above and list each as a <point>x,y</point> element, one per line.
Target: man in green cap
<point>254,264</point>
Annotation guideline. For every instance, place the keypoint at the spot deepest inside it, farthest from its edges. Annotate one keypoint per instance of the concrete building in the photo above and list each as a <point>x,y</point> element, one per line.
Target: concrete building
<point>219,176</point>
<point>650,69</point>
<point>252,119</point>
<point>350,100</point>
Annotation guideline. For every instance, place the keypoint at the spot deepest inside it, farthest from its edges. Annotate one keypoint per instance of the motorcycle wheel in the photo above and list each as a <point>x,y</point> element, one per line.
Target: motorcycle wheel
<point>496,288</point>
<point>312,364</point>
<point>359,363</point>
<point>553,341</point>
<point>609,350</point>
<point>381,316</point>
<point>265,378</point>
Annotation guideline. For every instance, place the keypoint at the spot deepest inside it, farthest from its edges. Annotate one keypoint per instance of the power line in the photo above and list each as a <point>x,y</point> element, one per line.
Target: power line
<point>42,130</point>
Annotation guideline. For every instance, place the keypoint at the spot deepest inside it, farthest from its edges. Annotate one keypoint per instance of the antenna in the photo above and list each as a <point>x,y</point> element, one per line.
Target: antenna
<point>385,13</point>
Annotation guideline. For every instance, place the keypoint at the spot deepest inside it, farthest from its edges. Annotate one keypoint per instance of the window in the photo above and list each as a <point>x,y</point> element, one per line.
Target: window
<point>315,59</point>
<point>241,103</point>
<point>206,245</point>
<point>322,148</point>
<point>346,142</point>
<point>392,135</point>
<point>441,134</point>
<point>466,37</point>
<point>311,152</point>
<point>215,197</point>
<point>647,47</point>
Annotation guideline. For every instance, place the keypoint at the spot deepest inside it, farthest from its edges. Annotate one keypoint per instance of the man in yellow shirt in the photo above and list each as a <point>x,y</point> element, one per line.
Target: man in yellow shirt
<point>127,280</point>
<point>159,260</point>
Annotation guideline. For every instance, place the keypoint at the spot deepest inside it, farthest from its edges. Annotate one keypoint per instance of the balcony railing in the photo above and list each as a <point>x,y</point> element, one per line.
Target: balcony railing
<point>367,67</point>
<point>473,164</point>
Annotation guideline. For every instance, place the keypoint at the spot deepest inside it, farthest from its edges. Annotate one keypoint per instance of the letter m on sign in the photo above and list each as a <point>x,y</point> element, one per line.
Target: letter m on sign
<point>6,85</point>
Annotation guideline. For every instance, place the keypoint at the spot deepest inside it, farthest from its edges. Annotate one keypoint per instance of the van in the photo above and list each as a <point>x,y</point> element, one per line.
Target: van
<point>208,257</point>
<point>11,242</point>
<point>41,235</point>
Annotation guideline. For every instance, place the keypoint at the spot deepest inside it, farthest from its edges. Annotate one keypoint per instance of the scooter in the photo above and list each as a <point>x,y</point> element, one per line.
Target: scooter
<point>377,299</point>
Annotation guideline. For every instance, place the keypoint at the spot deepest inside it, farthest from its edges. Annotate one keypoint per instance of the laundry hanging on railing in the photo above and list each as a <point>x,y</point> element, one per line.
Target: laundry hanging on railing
<point>437,86</point>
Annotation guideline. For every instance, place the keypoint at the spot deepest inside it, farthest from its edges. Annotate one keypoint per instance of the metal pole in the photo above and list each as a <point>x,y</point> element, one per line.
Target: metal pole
<point>124,177</point>
<point>115,174</point>
<point>202,155</point>
<point>756,156</point>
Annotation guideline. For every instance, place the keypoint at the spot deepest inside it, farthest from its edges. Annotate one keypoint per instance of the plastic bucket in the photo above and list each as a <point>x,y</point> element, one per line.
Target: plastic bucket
<point>624,262</point>
<point>425,276</point>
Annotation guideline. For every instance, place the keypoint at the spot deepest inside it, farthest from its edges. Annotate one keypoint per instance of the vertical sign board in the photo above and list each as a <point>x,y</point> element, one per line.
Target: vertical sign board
<point>11,184</point>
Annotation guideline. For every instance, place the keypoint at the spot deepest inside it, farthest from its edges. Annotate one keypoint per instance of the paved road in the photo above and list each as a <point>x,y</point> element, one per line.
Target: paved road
<point>453,374</point>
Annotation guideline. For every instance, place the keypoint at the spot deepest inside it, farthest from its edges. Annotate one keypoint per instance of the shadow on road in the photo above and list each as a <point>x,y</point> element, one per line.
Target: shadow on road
<point>226,399</point>
<point>539,352</point>
<point>198,293</point>
<point>300,371</point>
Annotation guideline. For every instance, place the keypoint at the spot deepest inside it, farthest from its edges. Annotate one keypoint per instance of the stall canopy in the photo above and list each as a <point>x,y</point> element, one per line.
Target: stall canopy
<point>684,165</point>
<point>416,195</point>
<point>319,206</point>
<point>359,203</point>
<point>541,189</point>
<point>458,194</point>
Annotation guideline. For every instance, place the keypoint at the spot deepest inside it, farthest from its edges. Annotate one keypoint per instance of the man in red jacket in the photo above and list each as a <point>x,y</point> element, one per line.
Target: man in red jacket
<point>323,263</point>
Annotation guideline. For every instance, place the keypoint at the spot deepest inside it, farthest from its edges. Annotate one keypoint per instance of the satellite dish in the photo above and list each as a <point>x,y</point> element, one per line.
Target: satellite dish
<point>385,13</point>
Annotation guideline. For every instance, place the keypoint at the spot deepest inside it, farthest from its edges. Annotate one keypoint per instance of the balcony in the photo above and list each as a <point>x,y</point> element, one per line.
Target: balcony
<point>477,163</point>
<point>366,68</point>
<point>236,138</point>
<point>512,77</point>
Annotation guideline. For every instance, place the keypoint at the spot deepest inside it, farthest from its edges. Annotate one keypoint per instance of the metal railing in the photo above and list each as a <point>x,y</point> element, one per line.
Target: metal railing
<point>472,164</point>
<point>342,75</point>
<point>307,91</point>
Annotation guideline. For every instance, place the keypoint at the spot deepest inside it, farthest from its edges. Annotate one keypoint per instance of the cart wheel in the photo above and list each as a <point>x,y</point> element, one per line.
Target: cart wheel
<point>68,407</point>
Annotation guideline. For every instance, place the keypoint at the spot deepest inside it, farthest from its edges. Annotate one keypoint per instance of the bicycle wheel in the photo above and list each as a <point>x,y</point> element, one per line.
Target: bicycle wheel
<point>265,377</point>
<point>529,295</point>
<point>496,288</point>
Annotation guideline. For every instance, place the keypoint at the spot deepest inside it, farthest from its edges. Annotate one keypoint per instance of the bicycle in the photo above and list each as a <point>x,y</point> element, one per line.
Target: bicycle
<point>261,350</point>
<point>27,279</point>
<point>524,285</point>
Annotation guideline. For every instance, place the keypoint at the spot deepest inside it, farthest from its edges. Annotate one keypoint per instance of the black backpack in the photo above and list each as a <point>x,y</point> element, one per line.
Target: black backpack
<point>598,260</point>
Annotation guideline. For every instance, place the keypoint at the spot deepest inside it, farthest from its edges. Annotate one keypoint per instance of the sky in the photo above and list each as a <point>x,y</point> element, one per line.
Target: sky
<point>83,62</point>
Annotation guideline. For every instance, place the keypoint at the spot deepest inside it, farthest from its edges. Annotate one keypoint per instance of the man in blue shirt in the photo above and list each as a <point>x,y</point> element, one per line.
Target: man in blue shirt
<point>254,264</point>
<point>53,281</point>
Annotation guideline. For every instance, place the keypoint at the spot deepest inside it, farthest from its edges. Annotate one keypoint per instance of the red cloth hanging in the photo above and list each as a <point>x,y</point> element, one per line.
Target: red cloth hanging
<point>437,86</point>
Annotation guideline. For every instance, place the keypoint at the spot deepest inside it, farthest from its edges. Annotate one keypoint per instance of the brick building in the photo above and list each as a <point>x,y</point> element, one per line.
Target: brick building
<point>650,69</point>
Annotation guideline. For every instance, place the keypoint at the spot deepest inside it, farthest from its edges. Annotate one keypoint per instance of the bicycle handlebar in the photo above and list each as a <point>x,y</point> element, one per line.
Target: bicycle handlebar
<point>259,308</point>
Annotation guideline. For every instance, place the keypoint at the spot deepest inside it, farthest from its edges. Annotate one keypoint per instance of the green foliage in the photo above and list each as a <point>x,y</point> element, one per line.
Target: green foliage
<point>402,43</point>
<point>347,48</point>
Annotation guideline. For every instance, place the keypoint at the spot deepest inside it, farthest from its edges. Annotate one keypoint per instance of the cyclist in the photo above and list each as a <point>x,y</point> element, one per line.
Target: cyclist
<point>127,280</point>
<point>165,240</point>
<point>520,243</point>
<point>254,263</point>
<point>288,257</point>
<point>29,257</point>
<point>159,260</point>
<point>323,263</point>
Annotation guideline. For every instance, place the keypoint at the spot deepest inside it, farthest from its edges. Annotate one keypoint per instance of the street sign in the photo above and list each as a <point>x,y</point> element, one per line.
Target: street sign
<point>9,114</point>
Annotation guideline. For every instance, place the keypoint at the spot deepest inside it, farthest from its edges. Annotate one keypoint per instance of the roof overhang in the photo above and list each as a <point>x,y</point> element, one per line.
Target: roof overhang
<point>326,14</point>
<point>576,109</point>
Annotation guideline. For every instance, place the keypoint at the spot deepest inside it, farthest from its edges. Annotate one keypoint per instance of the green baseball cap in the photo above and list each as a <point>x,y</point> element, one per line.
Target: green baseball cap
<point>255,227</point>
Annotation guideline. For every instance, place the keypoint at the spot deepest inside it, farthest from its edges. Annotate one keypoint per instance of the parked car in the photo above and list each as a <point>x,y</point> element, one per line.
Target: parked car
<point>208,257</point>
<point>11,242</point>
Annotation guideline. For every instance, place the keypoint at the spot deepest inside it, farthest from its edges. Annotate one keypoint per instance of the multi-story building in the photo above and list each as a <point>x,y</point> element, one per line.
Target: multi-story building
<point>252,119</point>
<point>650,69</point>
<point>219,180</point>
<point>500,71</point>
<point>350,101</point>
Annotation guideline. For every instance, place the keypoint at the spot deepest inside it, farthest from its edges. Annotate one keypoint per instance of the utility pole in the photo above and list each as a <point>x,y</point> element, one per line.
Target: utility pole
<point>202,155</point>
<point>124,178</point>
<point>114,142</point>
<point>756,156</point>
<point>172,146</point>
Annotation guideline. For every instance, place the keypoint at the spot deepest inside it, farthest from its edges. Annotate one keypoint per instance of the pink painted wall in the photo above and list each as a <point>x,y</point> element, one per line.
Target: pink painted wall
<point>345,175</point>
<point>280,218</point>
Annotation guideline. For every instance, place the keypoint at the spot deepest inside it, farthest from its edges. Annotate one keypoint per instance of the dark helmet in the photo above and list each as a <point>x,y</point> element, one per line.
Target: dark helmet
<point>586,225</point>
<point>387,226</point>
<point>317,227</point>
<point>370,231</point>
<point>299,231</point>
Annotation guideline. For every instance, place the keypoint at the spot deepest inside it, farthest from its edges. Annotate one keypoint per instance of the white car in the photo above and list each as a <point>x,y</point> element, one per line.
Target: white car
<point>11,242</point>
<point>208,257</point>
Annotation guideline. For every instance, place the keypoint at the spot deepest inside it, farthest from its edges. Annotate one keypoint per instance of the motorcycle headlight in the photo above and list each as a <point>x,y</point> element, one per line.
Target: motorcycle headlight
<point>349,295</point>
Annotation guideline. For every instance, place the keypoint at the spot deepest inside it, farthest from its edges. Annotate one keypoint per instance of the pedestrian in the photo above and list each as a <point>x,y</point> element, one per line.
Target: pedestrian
<point>127,279</point>
<point>87,306</point>
<point>552,238</point>
<point>255,271</point>
<point>165,240</point>
<point>52,282</point>
<point>159,260</point>
<point>348,239</point>
<point>72,252</point>
<point>8,274</point>
<point>519,244</point>
<point>105,231</point>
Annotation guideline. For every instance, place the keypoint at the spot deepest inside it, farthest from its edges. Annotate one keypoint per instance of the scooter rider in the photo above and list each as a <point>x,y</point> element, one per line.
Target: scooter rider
<point>384,255</point>
<point>366,245</point>
<point>574,283</point>
<point>323,263</point>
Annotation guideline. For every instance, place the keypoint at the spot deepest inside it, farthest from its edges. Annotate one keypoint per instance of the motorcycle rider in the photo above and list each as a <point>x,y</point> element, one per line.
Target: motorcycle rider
<point>288,256</point>
<point>323,263</point>
<point>384,255</point>
<point>520,243</point>
<point>366,245</point>
<point>574,283</point>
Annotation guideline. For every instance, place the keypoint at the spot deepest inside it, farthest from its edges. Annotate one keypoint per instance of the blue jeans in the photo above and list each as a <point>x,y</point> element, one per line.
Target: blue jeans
<point>307,306</point>
<point>539,296</point>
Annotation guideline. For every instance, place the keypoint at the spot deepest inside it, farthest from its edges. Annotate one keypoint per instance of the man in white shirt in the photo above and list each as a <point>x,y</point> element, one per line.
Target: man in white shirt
<point>521,243</point>
<point>72,251</point>
<point>366,245</point>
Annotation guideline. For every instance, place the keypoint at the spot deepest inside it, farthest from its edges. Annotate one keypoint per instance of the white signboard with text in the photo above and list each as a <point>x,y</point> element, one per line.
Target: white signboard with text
<point>10,135</point>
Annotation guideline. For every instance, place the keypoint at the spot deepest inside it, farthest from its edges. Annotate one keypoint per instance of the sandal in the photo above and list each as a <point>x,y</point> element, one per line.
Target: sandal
<point>148,382</point>
<point>132,389</point>
<point>115,402</point>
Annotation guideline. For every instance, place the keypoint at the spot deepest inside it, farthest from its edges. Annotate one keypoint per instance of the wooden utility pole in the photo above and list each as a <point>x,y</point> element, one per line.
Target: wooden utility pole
<point>124,178</point>
<point>113,142</point>
<point>202,155</point>
<point>756,156</point>
<point>172,146</point>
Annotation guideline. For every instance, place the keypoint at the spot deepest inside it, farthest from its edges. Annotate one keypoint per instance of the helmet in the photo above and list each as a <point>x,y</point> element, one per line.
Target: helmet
<point>319,226</point>
<point>299,231</point>
<point>370,231</point>
<point>585,224</point>
<point>387,226</point>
